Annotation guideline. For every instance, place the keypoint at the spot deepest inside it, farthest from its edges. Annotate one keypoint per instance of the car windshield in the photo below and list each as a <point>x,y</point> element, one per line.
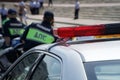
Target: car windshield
<point>103,70</point>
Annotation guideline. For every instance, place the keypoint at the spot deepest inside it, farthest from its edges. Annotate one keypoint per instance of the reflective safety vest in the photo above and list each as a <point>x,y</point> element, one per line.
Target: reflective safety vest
<point>3,22</point>
<point>16,31</point>
<point>39,36</point>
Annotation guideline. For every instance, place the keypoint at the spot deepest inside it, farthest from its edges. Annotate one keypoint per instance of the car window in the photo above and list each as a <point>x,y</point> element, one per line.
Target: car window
<point>48,69</point>
<point>106,70</point>
<point>20,71</point>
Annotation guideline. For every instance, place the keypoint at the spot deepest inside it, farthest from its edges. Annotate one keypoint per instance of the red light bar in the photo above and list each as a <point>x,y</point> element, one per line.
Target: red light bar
<point>91,30</point>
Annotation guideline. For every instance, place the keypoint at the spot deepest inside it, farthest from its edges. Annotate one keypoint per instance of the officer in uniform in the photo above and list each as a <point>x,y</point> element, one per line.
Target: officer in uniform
<point>12,28</point>
<point>77,8</point>
<point>3,12</point>
<point>39,33</point>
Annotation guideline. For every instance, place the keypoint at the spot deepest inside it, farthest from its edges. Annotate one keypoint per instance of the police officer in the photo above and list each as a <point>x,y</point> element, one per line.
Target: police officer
<point>31,6</point>
<point>12,28</point>
<point>22,12</point>
<point>77,8</point>
<point>39,33</point>
<point>3,12</point>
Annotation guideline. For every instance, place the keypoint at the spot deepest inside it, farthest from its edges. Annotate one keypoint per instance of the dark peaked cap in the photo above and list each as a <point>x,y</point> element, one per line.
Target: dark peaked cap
<point>12,11</point>
<point>48,14</point>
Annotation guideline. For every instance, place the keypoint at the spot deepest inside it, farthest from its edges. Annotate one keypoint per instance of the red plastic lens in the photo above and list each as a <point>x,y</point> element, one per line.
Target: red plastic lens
<point>91,30</point>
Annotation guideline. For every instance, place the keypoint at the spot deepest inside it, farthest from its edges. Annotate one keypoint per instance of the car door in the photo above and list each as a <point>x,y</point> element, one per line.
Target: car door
<point>48,69</point>
<point>37,65</point>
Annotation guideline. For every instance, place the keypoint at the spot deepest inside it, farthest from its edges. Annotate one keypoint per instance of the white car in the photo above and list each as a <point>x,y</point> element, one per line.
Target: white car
<point>79,60</point>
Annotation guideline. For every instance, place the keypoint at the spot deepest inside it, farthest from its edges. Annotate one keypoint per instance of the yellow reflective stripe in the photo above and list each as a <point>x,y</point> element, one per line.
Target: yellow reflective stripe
<point>39,36</point>
<point>16,31</point>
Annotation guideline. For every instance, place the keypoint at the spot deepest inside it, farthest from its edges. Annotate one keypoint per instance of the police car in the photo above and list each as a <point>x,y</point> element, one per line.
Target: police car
<point>97,59</point>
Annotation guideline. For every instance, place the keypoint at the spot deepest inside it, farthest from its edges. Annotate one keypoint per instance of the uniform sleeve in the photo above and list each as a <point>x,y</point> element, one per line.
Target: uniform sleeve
<point>23,37</point>
<point>6,30</point>
<point>55,37</point>
<point>24,26</point>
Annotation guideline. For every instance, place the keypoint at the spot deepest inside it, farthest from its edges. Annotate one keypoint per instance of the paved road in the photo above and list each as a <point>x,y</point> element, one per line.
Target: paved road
<point>65,22</point>
<point>88,5</point>
<point>71,21</point>
<point>56,25</point>
<point>29,21</point>
<point>72,5</point>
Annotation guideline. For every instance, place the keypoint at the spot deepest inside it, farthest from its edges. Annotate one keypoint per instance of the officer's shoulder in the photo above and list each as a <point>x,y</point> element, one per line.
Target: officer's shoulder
<point>6,22</point>
<point>34,24</point>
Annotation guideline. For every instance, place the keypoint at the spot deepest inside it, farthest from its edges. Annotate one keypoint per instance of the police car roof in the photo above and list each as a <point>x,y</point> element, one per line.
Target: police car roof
<point>93,51</point>
<point>98,51</point>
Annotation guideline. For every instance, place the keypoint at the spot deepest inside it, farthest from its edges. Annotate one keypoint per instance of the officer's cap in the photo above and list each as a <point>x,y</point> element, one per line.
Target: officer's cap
<point>12,12</point>
<point>48,14</point>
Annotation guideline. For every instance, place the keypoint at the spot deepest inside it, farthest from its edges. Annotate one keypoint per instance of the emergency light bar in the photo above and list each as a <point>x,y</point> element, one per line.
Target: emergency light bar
<point>90,30</point>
